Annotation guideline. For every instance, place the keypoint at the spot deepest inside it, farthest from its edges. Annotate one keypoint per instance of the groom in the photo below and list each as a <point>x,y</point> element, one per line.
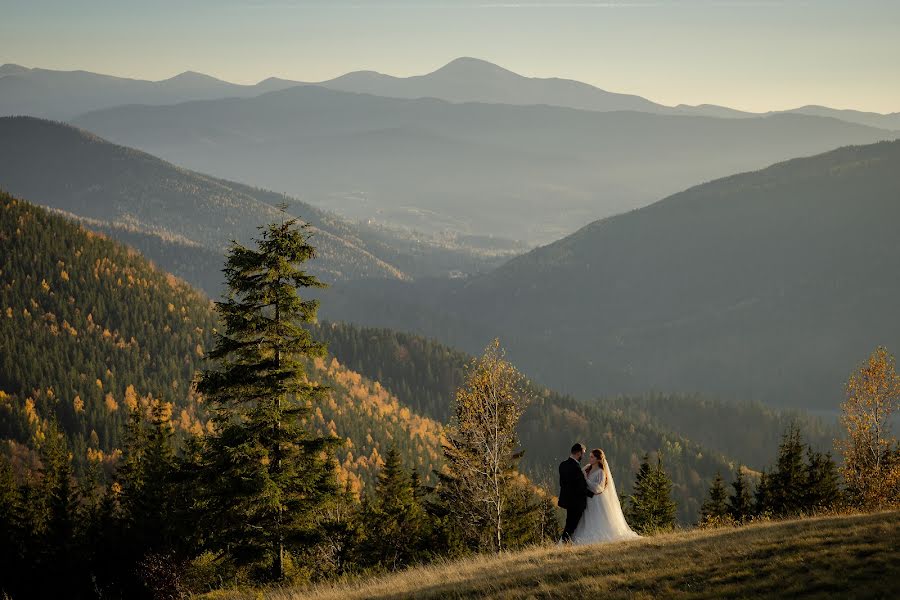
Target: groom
<point>573,491</point>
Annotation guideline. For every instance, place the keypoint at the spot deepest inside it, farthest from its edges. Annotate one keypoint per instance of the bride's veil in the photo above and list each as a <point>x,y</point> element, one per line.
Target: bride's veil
<point>613,508</point>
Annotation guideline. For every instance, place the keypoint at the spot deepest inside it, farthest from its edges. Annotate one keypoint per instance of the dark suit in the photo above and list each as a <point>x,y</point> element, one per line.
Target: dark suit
<point>573,494</point>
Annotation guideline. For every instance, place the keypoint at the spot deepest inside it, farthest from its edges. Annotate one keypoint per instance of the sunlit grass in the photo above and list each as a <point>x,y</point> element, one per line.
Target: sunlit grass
<point>847,556</point>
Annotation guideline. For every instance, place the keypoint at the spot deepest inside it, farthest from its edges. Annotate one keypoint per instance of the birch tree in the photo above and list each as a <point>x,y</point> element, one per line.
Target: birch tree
<point>871,468</point>
<point>481,445</point>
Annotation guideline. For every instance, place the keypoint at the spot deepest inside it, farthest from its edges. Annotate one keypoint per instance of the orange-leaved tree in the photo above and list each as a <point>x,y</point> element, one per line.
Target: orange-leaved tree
<point>871,454</point>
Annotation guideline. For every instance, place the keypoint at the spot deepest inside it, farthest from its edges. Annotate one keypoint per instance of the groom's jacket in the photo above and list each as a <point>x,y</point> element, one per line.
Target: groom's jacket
<point>573,487</point>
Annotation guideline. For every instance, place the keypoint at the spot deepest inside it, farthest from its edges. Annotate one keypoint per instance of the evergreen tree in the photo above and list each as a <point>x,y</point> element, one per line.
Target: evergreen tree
<point>342,525</point>
<point>788,480</point>
<point>651,505</point>
<point>822,484</point>
<point>266,475</point>
<point>10,531</point>
<point>762,497</point>
<point>740,503</point>
<point>57,559</point>
<point>394,520</point>
<point>715,508</point>
<point>526,520</point>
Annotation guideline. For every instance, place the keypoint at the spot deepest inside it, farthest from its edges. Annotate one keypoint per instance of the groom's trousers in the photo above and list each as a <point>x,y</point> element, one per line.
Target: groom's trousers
<point>573,517</point>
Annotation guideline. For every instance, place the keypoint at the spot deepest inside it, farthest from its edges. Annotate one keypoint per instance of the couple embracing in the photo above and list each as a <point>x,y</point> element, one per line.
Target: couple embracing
<point>593,511</point>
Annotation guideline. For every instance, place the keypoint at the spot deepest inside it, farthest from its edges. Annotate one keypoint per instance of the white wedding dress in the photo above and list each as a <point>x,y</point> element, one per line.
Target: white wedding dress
<point>603,520</point>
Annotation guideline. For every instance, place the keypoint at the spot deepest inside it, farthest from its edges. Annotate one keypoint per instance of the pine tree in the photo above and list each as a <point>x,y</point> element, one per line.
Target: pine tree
<point>651,505</point>
<point>157,497</point>
<point>788,480</point>
<point>822,483</point>
<point>762,497</point>
<point>58,558</point>
<point>10,530</point>
<point>740,503</point>
<point>394,520</point>
<point>715,508</point>
<point>266,474</point>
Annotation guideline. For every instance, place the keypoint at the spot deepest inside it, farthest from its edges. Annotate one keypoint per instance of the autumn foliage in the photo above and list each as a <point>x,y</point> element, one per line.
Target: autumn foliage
<point>871,453</point>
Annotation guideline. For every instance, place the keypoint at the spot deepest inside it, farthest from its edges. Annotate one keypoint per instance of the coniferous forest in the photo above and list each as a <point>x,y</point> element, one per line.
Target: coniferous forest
<point>201,444</point>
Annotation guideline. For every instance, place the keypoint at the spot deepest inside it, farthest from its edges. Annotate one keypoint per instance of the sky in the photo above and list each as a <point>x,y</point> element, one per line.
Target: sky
<point>752,55</point>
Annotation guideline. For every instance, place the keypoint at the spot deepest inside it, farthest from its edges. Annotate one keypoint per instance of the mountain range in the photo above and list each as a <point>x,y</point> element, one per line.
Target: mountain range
<point>61,95</point>
<point>184,220</point>
<point>533,173</point>
<point>65,94</point>
<point>769,285</point>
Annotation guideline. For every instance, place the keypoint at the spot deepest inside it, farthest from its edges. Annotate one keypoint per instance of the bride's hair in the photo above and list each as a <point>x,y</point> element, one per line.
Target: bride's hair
<point>601,461</point>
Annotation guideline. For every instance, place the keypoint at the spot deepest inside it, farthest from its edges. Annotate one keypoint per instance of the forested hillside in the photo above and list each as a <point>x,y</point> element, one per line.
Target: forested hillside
<point>769,285</point>
<point>92,301</point>
<point>183,220</point>
<point>88,328</point>
<point>425,374</point>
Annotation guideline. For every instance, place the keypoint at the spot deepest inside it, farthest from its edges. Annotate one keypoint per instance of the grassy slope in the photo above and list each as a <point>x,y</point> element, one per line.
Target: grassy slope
<point>847,556</point>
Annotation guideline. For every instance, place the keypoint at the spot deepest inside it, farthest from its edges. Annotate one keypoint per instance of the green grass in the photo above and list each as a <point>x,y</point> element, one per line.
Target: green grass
<point>842,557</point>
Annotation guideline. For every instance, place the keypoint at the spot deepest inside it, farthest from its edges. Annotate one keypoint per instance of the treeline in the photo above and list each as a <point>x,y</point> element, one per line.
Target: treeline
<point>425,374</point>
<point>802,481</point>
<point>806,481</point>
<point>745,431</point>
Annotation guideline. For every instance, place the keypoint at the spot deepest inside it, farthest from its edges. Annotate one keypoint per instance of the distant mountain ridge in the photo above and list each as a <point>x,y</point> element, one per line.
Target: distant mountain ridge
<point>62,95</point>
<point>526,172</point>
<point>65,94</point>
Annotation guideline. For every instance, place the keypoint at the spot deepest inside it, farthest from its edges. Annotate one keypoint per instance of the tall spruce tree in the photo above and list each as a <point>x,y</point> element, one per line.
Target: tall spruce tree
<point>788,480</point>
<point>651,507</point>
<point>762,497</point>
<point>740,502</point>
<point>822,482</point>
<point>715,508</point>
<point>266,474</point>
<point>394,521</point>
<point>10,530</point>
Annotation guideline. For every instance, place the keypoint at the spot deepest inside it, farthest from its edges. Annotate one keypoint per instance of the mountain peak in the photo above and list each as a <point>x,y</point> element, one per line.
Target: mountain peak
<point>469,67</point>
<point>192,77</point>
<point>12,69</point>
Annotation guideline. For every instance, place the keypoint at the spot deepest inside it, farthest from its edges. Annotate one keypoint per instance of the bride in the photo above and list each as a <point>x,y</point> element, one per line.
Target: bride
<point>603,520</point>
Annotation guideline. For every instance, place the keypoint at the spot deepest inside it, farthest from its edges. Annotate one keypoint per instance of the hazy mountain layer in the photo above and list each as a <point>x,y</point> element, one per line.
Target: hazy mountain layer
<point>769,285</point>
<point>64,94</point>
<point>526,172</point>
<point>183,220</point>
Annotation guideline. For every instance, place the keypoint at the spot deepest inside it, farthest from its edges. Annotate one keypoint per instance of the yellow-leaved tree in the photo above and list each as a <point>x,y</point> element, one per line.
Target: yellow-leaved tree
<point>481,448</point>
<point>871,454</point>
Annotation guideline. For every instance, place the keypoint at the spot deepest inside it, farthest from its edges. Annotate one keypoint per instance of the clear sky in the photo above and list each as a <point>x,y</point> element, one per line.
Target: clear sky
<point>752,54</point>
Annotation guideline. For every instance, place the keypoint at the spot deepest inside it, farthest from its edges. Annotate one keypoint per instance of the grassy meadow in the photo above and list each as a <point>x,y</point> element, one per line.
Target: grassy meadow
<point>854,556</point>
